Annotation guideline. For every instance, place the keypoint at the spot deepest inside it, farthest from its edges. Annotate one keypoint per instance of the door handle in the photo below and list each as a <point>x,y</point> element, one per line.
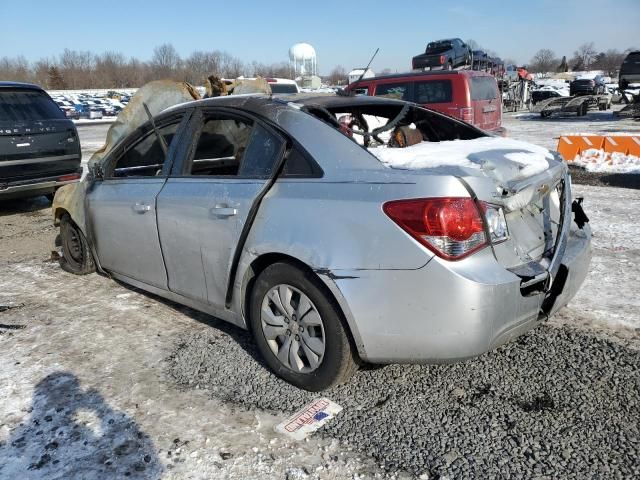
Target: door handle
<point>141,208</point>
<point>223,210</point>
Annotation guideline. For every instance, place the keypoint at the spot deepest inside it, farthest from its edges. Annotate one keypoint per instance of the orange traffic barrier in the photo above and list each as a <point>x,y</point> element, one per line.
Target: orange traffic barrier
<point>570,146</point>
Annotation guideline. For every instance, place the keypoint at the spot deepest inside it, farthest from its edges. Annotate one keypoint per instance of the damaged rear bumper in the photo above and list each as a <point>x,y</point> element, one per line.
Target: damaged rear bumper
<point>450,311</point>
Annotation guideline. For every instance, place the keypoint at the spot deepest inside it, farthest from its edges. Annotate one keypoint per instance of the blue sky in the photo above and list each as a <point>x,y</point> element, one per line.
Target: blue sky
<point>344,32</point>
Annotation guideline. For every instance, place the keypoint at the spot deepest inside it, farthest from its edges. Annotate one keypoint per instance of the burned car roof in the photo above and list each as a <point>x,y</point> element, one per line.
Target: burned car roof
<point>260,102</point>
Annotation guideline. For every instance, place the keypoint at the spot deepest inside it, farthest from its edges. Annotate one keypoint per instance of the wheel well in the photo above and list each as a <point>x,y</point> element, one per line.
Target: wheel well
<point>262,262</point>
<point>59,213</point>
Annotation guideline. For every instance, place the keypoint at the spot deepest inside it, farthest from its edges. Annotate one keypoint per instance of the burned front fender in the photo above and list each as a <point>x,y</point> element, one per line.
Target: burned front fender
<point>70,200</point>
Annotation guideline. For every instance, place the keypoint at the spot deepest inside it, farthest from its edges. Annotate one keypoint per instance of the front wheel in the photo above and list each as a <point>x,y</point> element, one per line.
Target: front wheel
<point>76,255</point>
<point>299,330</point>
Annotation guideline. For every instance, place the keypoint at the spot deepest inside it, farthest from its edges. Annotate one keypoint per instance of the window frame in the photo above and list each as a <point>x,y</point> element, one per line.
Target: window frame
<point>184,158</point>
<point>416,85</point>
<point>409,93</point>
<point>474,90</point>
<point>139,134</point>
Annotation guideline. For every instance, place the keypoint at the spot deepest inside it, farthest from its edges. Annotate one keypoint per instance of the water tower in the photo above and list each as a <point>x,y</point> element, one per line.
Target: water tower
<point>303,60</point>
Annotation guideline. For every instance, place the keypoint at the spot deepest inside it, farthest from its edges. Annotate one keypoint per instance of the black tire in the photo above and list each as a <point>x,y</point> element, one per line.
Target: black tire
<point>338,363</point>
<point>76,255</point>
<point>449,65</point>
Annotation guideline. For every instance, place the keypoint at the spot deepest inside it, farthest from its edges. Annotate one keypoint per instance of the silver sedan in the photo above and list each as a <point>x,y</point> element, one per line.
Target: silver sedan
<point>338,230</point>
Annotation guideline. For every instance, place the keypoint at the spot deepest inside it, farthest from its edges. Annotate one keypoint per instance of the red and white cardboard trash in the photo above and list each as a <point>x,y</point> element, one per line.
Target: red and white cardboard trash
<point>309,418</point>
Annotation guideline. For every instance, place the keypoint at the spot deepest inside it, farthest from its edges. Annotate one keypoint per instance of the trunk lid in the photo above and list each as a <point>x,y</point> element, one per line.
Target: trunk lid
<point>34,149</point>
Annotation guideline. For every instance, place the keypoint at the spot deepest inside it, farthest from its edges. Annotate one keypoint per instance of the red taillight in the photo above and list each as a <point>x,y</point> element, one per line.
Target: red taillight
<point>450,227</point>
<point>466,114</point>
<point>271,80</point>
<point>442,59</point>
<point>69,178</point>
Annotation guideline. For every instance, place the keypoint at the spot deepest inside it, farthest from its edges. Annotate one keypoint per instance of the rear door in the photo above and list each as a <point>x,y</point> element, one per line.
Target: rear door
<point>486,103</point>
<point>122,206</point>
<point>36,139</point>
<point>204,205</point>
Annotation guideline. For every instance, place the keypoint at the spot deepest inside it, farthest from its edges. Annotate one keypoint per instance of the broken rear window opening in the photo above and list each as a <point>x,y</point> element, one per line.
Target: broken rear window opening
<point>394,125</point>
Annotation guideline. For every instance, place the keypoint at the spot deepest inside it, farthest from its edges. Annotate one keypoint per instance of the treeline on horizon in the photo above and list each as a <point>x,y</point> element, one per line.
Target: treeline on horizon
<point>75,69</point>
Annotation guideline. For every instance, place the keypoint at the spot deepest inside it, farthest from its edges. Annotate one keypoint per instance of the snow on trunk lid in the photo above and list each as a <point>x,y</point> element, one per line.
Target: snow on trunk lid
<point>504,160</point>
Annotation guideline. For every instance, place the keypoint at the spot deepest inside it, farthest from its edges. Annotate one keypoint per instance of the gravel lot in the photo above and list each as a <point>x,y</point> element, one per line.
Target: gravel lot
<point>556,403</point>
<point>103,381</point>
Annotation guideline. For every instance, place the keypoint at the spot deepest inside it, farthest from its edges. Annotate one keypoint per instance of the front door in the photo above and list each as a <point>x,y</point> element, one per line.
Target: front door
<point>204,205</point>
<point>122,206</point>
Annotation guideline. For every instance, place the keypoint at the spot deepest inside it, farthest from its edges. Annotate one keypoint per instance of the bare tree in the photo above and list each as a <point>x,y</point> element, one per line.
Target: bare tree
<point>277,70</point>
<point>543,61</point>
<point>584,56</point>
<point>108,70</point>
<point>199,65</point>
<point>166,62</point>
<point>338,76</point>
<point>77,68</point>
<point>609,61</point>
<point>231,67</point>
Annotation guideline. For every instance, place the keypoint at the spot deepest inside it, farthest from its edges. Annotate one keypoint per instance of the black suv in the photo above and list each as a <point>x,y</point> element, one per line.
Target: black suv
<point>446,54</point>
<point>39,146</point>
<point>630,70</point>
<point>588,86</point>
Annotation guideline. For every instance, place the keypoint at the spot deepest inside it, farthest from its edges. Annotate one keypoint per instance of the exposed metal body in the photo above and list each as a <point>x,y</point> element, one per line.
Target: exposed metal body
<point>200,240</point>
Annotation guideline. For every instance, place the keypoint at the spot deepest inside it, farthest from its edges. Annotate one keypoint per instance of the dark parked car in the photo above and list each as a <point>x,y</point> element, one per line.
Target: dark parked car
<point>540,95</point>
<point>588,86</point>
<point>39,145</point>
<point>445,54</point>
<point>630,70</point>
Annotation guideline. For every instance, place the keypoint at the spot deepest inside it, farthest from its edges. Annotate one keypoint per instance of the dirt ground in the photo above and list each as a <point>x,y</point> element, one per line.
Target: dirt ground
<point>84,391</point>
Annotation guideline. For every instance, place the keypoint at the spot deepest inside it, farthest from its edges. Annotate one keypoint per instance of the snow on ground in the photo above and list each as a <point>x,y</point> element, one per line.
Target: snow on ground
<point>84,394</point>
<point>530,127</point>
<point>609,297</point>
<point>594,160</point>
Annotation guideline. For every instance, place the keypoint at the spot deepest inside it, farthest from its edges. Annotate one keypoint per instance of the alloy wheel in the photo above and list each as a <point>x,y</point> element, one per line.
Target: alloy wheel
<point>293,328</point>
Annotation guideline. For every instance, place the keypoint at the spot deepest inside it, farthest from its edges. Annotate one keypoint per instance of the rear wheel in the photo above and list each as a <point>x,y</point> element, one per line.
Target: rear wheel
<point>449,65</point>
<point>76,255</point>
<point>298,328</point>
